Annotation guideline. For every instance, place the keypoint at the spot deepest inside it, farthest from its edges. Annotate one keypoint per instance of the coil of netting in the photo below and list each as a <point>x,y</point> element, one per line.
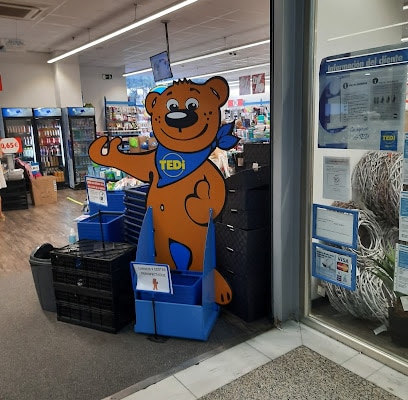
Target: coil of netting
<point>369,244</point>
<point>376,181</point>
<point>369,301</point>
<point>369,237</point>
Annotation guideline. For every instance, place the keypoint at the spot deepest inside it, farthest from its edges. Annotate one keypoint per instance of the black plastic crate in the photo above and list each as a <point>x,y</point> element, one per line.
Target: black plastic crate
<point>72,298</point>
<point>249,179</point>
<point>93,256</point>
<point>257,153</point>
<point>77,277</point>
<point>95,309</point>
<point>87,317</point>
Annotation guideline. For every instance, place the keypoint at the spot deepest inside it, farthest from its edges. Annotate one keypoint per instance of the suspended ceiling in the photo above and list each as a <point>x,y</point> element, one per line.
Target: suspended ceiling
<point>207,26</point>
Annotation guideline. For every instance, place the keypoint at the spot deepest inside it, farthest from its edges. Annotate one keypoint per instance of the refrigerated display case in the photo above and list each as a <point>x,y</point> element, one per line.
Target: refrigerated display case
<point>18,123</point>
<point>49,134</point>
<point>80,127</point>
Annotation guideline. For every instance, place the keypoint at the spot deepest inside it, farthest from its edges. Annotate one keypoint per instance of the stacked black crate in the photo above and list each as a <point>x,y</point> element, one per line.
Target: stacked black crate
<point>14,196</point>
<point>92,284</point>
<point>243,240</point>
<point>135,210</point>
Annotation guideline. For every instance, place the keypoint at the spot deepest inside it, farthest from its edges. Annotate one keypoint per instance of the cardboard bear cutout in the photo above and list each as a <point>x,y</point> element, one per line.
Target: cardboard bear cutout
<point>184,183</point>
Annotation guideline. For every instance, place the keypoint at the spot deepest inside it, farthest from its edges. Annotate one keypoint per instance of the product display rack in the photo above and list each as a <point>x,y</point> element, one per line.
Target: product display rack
<point>122,117</point>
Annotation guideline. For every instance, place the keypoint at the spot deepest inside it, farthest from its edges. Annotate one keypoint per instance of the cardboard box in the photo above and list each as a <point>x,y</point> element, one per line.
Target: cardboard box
<point>44,190</point>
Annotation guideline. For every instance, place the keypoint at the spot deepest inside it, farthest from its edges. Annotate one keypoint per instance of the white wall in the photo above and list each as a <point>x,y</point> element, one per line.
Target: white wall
<point>27,79</point>
<point>94,89</point>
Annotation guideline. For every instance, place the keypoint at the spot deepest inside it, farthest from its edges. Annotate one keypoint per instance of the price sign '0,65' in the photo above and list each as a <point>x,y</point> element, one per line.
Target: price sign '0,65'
<point>11,145</point>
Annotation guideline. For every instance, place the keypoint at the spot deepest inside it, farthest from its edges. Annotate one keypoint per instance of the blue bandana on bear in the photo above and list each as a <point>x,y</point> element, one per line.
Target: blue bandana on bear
<point>175,165</point>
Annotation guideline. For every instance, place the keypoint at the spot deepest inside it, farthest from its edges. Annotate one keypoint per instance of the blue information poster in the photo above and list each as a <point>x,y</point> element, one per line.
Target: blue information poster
<point>362,100</point>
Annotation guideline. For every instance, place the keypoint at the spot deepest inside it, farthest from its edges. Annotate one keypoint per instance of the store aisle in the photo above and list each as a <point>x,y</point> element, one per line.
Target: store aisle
<point>295,362</point>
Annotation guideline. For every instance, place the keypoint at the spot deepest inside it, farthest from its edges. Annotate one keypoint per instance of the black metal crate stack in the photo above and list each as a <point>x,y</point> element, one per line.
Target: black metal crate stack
<point>14,196</point>
<point>242,235</point>
<point>135,210</point>
<point>92,284</point>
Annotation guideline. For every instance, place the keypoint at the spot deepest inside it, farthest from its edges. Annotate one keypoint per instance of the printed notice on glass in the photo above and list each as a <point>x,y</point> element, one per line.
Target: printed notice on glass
<point>405,162</point>
<point>96,189</point>
<point>336,178</point>
<point>334,265</point>
<point>362,101</point>
<point>336,225</point>
<point>401,269</point>
<point>403,217</point>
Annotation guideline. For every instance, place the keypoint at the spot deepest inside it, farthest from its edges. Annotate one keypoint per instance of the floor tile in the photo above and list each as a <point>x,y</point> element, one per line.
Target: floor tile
<point>167,389</point>
<point>277,342</point>
<point>392,381</point>
<point>221,369</point>
<point>362,365</point>
<point>326,346</point>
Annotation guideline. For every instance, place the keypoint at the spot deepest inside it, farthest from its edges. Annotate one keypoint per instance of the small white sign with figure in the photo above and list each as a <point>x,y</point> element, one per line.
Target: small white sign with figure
<point>153,277</point>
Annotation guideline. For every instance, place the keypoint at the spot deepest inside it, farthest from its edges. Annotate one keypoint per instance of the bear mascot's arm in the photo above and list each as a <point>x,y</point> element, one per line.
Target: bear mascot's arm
<point>106,153</point>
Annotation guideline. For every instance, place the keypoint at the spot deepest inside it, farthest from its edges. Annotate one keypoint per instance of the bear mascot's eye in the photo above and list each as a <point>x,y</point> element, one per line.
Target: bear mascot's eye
<point>191,103</point>
<point>172,105</point>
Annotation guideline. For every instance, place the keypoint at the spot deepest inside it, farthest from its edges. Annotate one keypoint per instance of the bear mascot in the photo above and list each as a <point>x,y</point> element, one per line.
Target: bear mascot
<point>184,183</point>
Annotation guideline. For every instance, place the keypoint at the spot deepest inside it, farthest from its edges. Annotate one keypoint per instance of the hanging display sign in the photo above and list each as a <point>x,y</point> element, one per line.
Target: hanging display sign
<point>335,225</point>
<point>153,277</point>
<point>258,83</point>
<point>11,145</point>
<point>334,265</point>
<point>96,190</point>
<point>362,101</point>
<point>244,85</point>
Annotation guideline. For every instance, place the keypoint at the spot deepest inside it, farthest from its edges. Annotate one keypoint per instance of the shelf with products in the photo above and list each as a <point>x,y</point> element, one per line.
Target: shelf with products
<point>124,117</point>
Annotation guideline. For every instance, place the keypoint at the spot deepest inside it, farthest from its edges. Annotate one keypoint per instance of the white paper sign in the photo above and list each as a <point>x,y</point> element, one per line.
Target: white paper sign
<point>401,269</point>
<point>153,277</point>
<point>96,188</point>
<point>336,178</point>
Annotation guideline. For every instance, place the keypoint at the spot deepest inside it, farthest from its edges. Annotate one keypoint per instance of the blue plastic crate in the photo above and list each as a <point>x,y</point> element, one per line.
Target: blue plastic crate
<point>115,203</point>
<point>111,225</point>
<point>187,289</point>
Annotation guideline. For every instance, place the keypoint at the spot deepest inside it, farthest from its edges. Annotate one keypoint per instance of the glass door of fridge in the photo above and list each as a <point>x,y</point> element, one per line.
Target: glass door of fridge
<point>51,147</point>
<point>83,133</point>
<point>22,128</point>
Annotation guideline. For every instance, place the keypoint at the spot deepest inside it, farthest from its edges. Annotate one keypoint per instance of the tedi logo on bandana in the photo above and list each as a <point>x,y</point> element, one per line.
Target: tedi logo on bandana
<point>172,165</point>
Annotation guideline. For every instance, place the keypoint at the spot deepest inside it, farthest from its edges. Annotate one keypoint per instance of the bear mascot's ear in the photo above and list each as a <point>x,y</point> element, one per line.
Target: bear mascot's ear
<point>220,88</point>
<point>150,101</point>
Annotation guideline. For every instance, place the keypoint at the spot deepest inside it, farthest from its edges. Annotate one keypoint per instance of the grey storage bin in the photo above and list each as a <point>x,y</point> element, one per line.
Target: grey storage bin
<point>41,268</point>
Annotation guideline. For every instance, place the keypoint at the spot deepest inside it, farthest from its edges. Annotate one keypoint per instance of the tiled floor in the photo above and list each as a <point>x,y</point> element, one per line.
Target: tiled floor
<point>217,371</point>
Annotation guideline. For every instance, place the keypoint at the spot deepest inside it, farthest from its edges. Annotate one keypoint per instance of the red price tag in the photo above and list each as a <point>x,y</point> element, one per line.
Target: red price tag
<point>11,145</point>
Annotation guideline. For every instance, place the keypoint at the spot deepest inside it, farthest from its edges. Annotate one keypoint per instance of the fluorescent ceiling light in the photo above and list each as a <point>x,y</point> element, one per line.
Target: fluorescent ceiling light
<point>229,71</point>
<point>121,31</point>
<point>214,73</point>
<point>405,7</point>
<point>217,53</point>
<point>368,31</point>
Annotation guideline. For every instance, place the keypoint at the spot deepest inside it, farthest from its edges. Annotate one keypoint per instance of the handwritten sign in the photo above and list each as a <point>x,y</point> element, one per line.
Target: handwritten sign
<point>153,277</point>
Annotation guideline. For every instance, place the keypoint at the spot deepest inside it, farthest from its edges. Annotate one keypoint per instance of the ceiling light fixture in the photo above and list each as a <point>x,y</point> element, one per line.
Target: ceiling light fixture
<point>121,31</point>
<point>218,73</point>
<point>405,7</point>
<point>192,59</point>
<point>229,71</point>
